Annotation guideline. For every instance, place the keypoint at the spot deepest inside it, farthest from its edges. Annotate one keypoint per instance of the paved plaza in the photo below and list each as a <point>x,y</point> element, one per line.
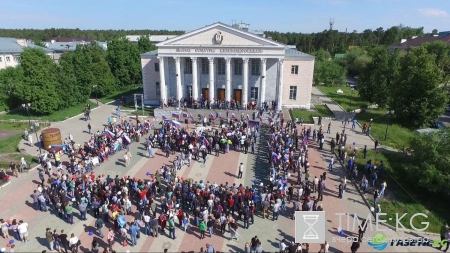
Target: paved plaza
<point>17,203</point>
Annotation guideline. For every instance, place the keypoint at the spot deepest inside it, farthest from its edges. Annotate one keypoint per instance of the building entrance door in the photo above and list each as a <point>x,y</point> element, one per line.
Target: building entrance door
<point>221,94</point>
<point>238,95</point>
<point>205,93</point>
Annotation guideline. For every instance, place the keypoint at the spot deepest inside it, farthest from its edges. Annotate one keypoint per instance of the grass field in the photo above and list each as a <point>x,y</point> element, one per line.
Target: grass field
<point>397,137</point>
<point>118,94</point>
<point>402,197</point>
<point>9,152</point>
<point>54,117</point>
<point>348,100</point>
<point>321,110</point>
<point>13,126</point>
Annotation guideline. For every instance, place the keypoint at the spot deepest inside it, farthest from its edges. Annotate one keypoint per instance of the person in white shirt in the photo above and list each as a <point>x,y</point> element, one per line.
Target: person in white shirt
<point>23,231</point>
<point>283,245</point>
<point>73,243</point>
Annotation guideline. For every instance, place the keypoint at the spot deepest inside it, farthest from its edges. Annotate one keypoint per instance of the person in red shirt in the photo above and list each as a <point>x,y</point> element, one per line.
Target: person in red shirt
<point>180,216</point>
<point>231,205</point>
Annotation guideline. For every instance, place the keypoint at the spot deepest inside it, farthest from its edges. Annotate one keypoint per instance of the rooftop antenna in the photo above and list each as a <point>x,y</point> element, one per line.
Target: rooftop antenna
<point>331,23</point>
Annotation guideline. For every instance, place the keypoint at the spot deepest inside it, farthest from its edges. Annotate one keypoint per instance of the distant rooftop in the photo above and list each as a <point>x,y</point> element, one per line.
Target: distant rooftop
<point>70,46</point>
<point>245,27</point>
<point>154,39</point>
<point>16,46</point>
<point>406,44</point>
<point>69,39</point>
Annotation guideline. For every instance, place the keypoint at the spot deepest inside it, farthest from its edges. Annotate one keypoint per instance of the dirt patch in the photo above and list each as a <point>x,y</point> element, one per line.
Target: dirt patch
<point>5,134</point>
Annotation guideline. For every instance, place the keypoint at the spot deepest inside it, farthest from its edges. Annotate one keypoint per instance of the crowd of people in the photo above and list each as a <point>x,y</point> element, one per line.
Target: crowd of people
<point>163,201</point>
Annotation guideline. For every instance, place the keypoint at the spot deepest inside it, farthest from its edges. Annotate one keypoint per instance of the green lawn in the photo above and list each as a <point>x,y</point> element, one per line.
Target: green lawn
<point>9,152</point>
<point>398,198</point>
<point>54,117</point>
<point>11,144</point>
<point>13,126</point>
<point>321,110</point>
<point>398,137</point>
<point>118,94</point>
<point>348,101</point>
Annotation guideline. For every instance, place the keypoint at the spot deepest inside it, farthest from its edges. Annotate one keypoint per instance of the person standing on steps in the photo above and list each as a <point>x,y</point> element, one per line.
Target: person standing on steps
<point>241,170</point>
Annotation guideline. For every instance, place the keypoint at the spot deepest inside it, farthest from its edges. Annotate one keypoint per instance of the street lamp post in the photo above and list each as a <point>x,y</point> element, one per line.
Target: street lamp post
<point>388,113</point>
<point>27,107</point>
<point>96,91</point>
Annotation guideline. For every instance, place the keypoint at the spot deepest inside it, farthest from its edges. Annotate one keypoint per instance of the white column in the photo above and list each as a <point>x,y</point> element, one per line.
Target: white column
<point>228,83</point>
<point>280,86</point>
<point>211,78</point>
<point>162,80</point>
<point>263,81</point>
<point>245,82</point>
<point>178,74</point>
<point>194,78</point>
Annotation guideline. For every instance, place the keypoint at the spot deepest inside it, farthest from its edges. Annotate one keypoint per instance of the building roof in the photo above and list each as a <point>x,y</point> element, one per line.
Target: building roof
<point>418,41</point>
<point>69,39</point>
<point>160,38</point>
<point>218,24</point>
<point>70,46</point>
<point>151,53</point>
<point>12,46</point>
<point>153,38</point>
<point>289,52</point>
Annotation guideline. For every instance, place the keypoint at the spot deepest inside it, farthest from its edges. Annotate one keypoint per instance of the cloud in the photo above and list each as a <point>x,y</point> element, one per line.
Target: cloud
<point>434,13</point>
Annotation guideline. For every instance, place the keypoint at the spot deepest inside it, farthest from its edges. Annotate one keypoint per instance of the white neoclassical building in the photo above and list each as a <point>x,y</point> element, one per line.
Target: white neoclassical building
<point>221,62</point>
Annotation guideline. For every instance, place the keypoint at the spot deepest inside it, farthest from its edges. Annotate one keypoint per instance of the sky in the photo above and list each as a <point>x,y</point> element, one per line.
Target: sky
<point>305,16</point>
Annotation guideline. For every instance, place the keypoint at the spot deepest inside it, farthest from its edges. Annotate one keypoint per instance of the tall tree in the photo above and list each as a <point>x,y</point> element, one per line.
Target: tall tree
<point>103,82</point>
<point>430,166</point>
<point>145,45</point>
<point>10,79</point>
<point>124,61</point>
<point>322,55</point>
<point>418,96</point>
<point>39,81</point>
<point>83,71</point>
<point>377,76</point>
<point>442,52</point>
<point>68,81</point>
<point>328,73</point>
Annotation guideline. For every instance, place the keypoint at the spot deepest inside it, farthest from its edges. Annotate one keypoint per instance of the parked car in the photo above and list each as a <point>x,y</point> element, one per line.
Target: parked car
<point>447,108</point>
<point>438,125</point>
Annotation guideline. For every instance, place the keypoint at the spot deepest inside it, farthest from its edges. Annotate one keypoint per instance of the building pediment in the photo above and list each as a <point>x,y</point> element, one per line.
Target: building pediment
<point>219,35</point>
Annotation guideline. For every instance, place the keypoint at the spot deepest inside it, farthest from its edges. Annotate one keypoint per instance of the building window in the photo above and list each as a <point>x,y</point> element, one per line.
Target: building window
<point>254,93</point>
<point>188,66</point>
<point>205,66</point>
<point>238,67</point>
<point>0,59</point>
<point>293,92</point>
<point>16,58</point>
<point>158,89</point>
<point>7,58</point>
<point>221,66</point>
<point>255,67</point>
<point>156,66</point>
<point>294,69</point>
